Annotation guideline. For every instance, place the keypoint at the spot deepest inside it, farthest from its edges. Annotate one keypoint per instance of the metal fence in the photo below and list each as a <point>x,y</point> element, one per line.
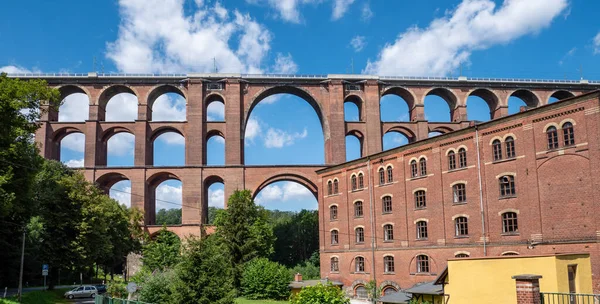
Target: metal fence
<point>569,298</point>
<point>108,300</point>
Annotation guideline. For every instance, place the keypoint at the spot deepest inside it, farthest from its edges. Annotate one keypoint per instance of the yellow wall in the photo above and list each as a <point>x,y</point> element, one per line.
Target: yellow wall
<point>490,280</point>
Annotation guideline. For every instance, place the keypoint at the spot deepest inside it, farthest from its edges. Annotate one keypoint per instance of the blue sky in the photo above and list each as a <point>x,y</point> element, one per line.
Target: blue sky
<point>481,38</point>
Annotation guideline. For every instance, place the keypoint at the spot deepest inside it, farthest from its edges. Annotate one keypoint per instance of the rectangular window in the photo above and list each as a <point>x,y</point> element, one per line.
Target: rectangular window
<point>423,264</point>
<point>509,222</point>
<point>388,233</point>
<point>387,204</point>
<point>420,199</point>
<point>459,193</point>
<point>497,148</point>
<point>333,213</point>
<point>451,161</point>
<point>507,186</point>
<point>358,209</point>
<point>510,148</point>
<point>360,235</point>
<point>390,174</point>
<point>388,264</point>
<point>462,158</point>
<point>421,230</point>
<point>462,228</point>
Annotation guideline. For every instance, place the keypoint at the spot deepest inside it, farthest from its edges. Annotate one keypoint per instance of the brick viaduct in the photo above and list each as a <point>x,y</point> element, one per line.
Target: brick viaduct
<point>240,94</point>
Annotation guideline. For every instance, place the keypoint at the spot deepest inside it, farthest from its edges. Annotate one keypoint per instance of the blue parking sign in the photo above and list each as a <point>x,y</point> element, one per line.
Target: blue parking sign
<point>45,267</point>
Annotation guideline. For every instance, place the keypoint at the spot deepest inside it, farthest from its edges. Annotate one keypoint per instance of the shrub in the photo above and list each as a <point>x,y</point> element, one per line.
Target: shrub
<point>116,289</point>
<point>156,288</point>
<point>263,279</point>
<point>320,294</point>
<point>308,270</point>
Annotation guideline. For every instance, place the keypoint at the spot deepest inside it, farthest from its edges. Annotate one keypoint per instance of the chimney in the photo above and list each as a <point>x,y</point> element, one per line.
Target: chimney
<point>298,277</point>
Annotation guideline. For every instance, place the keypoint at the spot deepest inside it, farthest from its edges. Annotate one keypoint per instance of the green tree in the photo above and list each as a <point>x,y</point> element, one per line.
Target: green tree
<point>205,275</point>
<point>373,291</point>
<point>244,228</point>
<point>320,294</point>
<point>263,279</point>
<point>168,217</point>
<point>162,252</point>
<point>297,236</point>
<point>19,162</point>
<point>308,270</point>
<point>157,288</point>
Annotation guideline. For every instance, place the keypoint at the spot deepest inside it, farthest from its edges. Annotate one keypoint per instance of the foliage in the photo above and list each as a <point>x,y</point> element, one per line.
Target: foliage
<point>117,289</point>
<point>168,217</point>
<point>308,270</point>
<point>245,230</point>
<point>320,294</point>
<point>205,275</point>
<point>373,291</point>
<point>415,301</point>
<point>248,301</point>
<point>162,252</point>
<point>212,214</point>
<point>39,297</point>
<point>297,236</point>
<point>157,287</point>
<point>263,279</point>
<point>19,162</point>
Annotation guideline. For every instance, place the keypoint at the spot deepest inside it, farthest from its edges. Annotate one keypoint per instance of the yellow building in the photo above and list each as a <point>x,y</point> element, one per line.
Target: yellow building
<point>489,279</point>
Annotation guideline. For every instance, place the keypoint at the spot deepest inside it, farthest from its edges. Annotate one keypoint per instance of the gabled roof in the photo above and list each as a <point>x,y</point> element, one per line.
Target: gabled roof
<point>399,297</point>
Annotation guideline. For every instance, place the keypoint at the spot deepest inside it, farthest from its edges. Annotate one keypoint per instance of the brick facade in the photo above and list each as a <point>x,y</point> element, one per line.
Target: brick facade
<point>555,197</point>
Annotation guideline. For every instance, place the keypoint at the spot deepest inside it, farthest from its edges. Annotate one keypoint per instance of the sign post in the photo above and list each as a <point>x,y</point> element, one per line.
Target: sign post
<point>45,273</point>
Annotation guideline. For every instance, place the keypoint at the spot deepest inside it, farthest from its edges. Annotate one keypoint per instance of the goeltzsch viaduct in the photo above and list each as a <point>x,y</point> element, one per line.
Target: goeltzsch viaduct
<point>240,94</point>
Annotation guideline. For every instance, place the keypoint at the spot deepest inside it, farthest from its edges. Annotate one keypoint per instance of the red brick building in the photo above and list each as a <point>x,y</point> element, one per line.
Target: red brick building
<point>528,183</point>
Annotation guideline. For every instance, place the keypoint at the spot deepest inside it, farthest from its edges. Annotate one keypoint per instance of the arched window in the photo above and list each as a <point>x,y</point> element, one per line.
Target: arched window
<point>388,232</point>
<point>552,135</point>
<point>507,186</point>
<point>509,253</point>
<point>335,264</point>
<point>510,147</point>
<point>421,230</point>
<point>353,182</point>
<point>361,181</point>
<point>459,193</point>
<point>381,176</point>
<point>390,174</point>
<point>568,134</point>
<point>497,148</point>
<point>413,169</point>
<point>420,199</point>
<point>422,263</point>
<point>361,292</point>
<point>462,158</point>
<point>509,222</point>
<point>359,264</point>
<point>329,188</point>
<point>333,213</point>
<point>335,237</point>
<point>387,204</point>
<point>388,264</point>
<point>423,165</point>
<point>388,290</point>
<point>461,255</point>
<point>461,226</point>
<point>360,234</point>
<point>358,209</point>
<point>336,186</point>
<point>451,160</point>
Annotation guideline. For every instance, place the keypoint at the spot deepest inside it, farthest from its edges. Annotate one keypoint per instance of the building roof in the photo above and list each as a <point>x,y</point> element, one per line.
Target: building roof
<point>479,126</point>
<point>396,297</point>
<point>501,257</point>
<point>306,283</point>
<point>429,288</point>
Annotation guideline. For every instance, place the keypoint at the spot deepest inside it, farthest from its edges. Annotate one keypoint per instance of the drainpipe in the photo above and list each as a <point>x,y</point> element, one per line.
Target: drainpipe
<point>480,191</point>
<point>372,223</point>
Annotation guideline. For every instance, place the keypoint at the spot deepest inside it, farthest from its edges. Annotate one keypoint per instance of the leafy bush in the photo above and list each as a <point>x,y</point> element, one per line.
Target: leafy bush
<point>117,289</point>
<point>162,252</point>
<point>156,288</point>
<point>320,294</point>
<point>263,279</point>
<point>308,270</point>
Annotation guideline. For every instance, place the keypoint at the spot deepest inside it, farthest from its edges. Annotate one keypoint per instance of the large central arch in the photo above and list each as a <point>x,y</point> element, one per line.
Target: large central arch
<point>288,177</point>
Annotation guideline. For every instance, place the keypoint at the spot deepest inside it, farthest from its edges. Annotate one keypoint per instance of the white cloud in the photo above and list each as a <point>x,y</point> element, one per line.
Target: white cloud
<point>295,191</point>
<point>285,192</point>
<point>366,13</point>
<point>570,53</point>
<point>75,107</point>
<point>269,194</point>
<point>168,196</point>
<point>168,107</point>
<point>276,138</point>
<point>172,138</point>
<point>121,144</point>
<point>271,99</point>
<point>122,107</point>
<point>340,7</point>
<point>216,198</point>
<point>253,129</point>
<point>74,142</point>
<point>157,36</point>
<point>13,69</point>
<point>215,111</point>
<point>121,192</point>
<point>74,163</point>
<point>218,139</point>
<point>358,43</point>
<point>449,41</point>
<point>597,44</point>
<point>284,64</point>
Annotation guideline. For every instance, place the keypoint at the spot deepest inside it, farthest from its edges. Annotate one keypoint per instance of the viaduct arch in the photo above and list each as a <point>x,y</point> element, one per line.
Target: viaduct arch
<point>239,94</point>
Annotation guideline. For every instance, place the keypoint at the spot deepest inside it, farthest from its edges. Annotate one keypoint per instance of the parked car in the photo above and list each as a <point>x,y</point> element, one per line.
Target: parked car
<point>82,292</point>
<point>101,288</point>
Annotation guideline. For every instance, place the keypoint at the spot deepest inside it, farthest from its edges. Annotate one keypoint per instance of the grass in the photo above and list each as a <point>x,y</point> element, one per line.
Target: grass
<point>246,301</point>
<point>40,297</point>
